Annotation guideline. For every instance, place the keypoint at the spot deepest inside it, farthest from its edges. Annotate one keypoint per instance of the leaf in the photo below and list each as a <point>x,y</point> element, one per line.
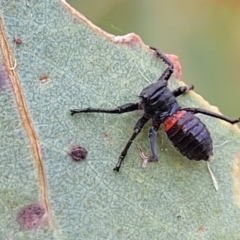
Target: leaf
<point>63,62</point>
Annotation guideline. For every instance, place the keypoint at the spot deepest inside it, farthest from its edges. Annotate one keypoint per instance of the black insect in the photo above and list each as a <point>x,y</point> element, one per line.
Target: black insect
<point>188,133</point>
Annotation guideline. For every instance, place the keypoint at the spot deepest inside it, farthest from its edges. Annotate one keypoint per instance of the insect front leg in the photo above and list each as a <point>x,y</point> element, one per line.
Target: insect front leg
<point>168,72</point>
<point>128,107</point>
<point>138,127</point>
<point>182,90</point>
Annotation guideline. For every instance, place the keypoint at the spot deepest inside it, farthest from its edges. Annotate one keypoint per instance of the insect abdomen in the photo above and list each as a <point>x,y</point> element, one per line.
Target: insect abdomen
<point>189,135</point>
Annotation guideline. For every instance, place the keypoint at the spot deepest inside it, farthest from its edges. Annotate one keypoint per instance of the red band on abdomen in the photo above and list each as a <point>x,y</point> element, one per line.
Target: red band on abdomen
<point>172,120</point>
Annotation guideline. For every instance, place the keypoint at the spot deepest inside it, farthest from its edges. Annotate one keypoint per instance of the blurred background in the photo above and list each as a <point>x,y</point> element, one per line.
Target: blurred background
<point>204,34</point>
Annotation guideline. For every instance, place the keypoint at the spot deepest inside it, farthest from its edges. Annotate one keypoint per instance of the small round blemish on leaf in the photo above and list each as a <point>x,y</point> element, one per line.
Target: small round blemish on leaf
<point>78,153</point>
<point>43,78</point>
<point>105,135</point>
<point>31,216</point>
<point>17,41</point>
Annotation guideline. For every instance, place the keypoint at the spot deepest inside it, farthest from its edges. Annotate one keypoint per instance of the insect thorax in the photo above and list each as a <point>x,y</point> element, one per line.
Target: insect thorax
<point>157,101</point>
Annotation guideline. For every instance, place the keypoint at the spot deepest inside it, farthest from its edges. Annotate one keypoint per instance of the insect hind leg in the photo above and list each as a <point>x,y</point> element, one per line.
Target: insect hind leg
<point>212,114</point>
<point>152,134</point>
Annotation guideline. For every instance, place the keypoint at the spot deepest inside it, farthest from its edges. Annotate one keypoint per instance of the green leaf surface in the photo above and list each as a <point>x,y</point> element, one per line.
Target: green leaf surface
<point>65,62</point>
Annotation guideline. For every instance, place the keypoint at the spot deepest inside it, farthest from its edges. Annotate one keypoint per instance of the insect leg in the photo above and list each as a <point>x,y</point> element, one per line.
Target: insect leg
<point>168,72</point>
<point>152,134</point>
<point>211,114</point>
<point>182,90</point>
<point>128,107</point>
<point>138,127</point>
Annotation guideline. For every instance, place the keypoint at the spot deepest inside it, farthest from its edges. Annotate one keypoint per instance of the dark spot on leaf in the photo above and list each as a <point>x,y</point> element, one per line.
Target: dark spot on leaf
<point>18,41</point>
<point>31,216</point>
<point>105,135</point>
<point>78,153</point>
<point>43,78</point>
